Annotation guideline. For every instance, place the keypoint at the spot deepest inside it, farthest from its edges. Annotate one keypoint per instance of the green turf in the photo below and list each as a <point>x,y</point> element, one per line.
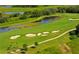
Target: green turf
<point>62,24</point>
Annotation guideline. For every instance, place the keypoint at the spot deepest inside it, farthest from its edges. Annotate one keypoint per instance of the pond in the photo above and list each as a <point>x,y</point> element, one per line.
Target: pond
<point>43,21</point>
<point>6,6</point>
<point>5,29</point>
<point>13,12</point>
<point>47,19</point>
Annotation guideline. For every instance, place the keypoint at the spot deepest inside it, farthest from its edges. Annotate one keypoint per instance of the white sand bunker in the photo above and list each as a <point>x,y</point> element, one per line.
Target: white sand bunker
<point>45,33</point>
<point>30,35</point>
<point>55,31</point>
<point>15,37</point>
<point>39,34</point>
<point>34,35</point>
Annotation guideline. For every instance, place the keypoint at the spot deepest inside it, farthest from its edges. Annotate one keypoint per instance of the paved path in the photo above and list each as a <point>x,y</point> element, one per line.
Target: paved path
<point>53,38</point>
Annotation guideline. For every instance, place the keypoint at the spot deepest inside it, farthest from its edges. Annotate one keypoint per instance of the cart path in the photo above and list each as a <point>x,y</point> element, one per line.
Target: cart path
<point>53,38</point>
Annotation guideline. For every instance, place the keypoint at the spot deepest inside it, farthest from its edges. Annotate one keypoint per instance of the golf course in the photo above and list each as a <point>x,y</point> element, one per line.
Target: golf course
<point>39,29</point>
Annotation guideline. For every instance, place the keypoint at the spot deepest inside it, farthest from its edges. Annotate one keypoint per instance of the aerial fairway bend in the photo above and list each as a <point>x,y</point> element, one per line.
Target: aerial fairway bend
<point>53,38</point>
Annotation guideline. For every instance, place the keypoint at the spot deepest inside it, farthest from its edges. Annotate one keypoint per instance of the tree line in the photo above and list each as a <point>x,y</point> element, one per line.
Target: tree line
<point>41,12</point>
<point>75,33</point>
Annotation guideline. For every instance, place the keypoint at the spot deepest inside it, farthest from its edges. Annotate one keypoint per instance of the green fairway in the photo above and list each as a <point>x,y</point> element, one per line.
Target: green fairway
<point>63,24</point>
<point>53,22</point>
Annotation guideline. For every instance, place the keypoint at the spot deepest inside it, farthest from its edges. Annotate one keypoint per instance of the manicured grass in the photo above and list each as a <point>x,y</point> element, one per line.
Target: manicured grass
<point>62,24</point>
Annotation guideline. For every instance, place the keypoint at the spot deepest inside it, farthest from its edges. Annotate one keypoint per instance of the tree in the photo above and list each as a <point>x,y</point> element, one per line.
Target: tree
<point>33,47</point>
<point>75,33</point>
<point>25,6</point>
<point>72,9</point>
<point>3,20</point>
<point>27,13</point>
<point>61,10</point>
<point>25,47</point>
<point>72,32</point>
<point>0,15</point>
<point>52,10</point>
<point>36,43</point>
<point>15,15</point>
<point>77,30</point>
<point>22,51</point>
<point>23,17</point>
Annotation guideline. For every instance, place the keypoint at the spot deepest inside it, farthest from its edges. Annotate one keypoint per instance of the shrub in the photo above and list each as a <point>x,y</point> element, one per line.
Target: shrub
<point>25,47</point>
<point>33,46</point>
<point>36,43</point>
<point>3,20</point>
<point>23,17</point>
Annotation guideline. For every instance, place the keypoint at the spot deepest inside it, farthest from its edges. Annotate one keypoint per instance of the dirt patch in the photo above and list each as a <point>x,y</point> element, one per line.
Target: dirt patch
<point>65,48</point>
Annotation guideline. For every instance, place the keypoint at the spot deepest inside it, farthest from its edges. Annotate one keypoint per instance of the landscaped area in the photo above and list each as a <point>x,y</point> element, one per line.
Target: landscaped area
<point>39,29</point>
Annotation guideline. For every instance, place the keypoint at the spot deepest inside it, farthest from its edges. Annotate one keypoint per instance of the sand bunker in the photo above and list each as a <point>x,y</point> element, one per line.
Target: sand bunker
<point>45,32</point>
<point>34,35</point>
<point>15,37</point>
<point>43,35</point>
<point>39,34</point>
<point>30,35</point>
<point>55,31</point>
